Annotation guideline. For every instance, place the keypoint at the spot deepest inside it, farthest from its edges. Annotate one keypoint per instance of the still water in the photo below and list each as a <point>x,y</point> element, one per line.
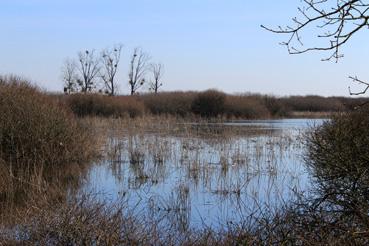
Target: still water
<point>208,175</point>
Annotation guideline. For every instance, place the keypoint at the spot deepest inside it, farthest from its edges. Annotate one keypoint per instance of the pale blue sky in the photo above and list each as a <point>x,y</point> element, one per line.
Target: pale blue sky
<point>202,43</point>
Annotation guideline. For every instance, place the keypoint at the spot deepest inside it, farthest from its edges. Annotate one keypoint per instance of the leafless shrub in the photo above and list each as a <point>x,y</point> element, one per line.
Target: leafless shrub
<point>170,103</point>
<point>210,103</point>
<point>37,136</point>
<point>80,221</point>
<point>246,107</point>
<point>337,156</point>
<point>313,104</point>
<point>178,103</point>
<point>100,105</point>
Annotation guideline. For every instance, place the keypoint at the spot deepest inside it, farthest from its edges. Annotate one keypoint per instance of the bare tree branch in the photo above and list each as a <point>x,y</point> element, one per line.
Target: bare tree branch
<point>138,69</point>
<point>157,70</point>
<point>89,68</point>
<point>110,60</point>
<point>69,76</point>
<point>355,79</point>
<point>337,21</point>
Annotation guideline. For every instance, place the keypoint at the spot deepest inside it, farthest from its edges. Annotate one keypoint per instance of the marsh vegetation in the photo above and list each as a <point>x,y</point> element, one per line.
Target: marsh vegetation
<point>75,178</point>
<point>201,174</point>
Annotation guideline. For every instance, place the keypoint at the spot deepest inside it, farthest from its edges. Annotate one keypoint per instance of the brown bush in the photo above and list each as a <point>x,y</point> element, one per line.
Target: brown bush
<point>313,104</point>
<point>184,104</point>
<point>352,103</point>
<point>245,106</point>
<point>37,135</point>
<point>276,107</point>
<point>105,106</point>
<point>172,103</point>
<point>83,221</point>
<point>210,103</point>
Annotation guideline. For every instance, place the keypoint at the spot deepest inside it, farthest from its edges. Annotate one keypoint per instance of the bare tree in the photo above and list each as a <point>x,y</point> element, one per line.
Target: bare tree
<point>137,70</point>
<point>69,76</point>
<point>89,68</point>
<point>157,70</point>
<point>110,60</point>
<point>335,23</point>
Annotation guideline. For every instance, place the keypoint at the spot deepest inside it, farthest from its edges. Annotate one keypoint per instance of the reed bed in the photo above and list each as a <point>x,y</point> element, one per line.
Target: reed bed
<point>223,162</point>
<point>206,104</point>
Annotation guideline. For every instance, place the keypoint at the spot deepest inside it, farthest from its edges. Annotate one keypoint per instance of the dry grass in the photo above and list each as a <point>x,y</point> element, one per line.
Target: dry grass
<point>82,221</point>
<point>86,221</point>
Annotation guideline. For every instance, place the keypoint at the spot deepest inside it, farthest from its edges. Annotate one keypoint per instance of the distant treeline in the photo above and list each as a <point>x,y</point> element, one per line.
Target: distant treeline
<point>210,103</point>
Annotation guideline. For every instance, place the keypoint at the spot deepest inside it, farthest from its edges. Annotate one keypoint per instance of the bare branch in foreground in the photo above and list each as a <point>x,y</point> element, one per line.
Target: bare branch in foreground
<point>355,79</point>
<point>337,22</point>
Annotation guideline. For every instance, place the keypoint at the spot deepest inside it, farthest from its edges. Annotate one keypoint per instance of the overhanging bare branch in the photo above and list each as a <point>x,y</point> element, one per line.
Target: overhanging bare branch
<point>336,20</point>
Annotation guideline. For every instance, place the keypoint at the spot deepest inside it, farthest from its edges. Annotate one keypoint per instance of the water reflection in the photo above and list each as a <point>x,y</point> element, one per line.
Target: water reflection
<point>206,174</point>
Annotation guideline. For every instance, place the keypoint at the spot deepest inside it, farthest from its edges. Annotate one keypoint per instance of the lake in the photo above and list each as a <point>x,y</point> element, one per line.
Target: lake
<point>198,175</point>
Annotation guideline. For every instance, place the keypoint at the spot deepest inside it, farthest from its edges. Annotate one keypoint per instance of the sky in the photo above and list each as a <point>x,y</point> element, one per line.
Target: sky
<point>202,43</point>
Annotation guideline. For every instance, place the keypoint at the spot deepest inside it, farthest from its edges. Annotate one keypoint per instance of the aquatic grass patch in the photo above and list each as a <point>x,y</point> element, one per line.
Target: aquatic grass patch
<point>214,160</point>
